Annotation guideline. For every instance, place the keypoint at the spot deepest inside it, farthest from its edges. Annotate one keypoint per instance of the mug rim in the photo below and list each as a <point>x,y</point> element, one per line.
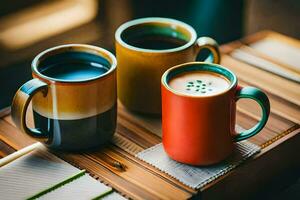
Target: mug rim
<point>98,51</point>
<point>160,20</point>
<point>213,66</point>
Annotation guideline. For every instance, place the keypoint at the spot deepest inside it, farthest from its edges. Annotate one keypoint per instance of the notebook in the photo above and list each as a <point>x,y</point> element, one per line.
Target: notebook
<point>41,175</point>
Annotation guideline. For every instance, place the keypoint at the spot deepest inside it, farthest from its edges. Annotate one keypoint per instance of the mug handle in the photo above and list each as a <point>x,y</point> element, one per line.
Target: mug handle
<point>20,104</point>
<point>262,99</point>
<point>212,46</point>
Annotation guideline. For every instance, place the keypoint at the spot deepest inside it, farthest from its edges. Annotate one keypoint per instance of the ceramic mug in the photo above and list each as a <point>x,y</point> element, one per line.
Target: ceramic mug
<point>200,130</point>
<point>74,97</point>
<point>145,49</point>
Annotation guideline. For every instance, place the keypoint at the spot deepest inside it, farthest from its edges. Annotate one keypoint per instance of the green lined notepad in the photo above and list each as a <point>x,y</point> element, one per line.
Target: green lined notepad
<point>31,174</point>
<point>41,175</point>
<point>84,187</point>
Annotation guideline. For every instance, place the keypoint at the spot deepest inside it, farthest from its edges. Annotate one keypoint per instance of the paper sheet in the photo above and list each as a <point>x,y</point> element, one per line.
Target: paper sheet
<point>31,174</point>
<point>82,188</point>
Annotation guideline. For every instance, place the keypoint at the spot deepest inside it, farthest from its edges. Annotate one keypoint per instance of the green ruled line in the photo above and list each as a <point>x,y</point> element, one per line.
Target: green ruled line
<point>68,180</point>
<point>104,194</point>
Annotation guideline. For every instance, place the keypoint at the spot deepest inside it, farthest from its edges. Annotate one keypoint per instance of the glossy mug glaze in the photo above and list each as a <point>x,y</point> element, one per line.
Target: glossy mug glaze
<point>199,128</point>
<point>70,113</point>
<point>145,49</point>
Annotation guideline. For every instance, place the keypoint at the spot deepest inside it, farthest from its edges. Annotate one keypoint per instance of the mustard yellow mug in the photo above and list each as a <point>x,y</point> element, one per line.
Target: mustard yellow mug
<point>145,49</point>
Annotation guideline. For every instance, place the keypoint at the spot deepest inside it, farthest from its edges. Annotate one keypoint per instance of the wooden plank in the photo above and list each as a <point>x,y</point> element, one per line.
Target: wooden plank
<point>8,119</point>
<point>249,39</point>
<point>247,122</point>
<point>4,112</point>
<point>279,106</point>
<point>126,144</point>
<point>134,181</point>
<point>13,137</point>
<point>5,149</point>
<point>154,170</point>
<point>130,136</point>
<point>136,137</point>
<point>150,123</point>
<point>269,82</point>
<point>275,122</point>
<point>133,171</point>
<point>229,47</point>
<point>270,34</point>
<point>280,64</point>
<point>132,124</point>
<point>99,172</point>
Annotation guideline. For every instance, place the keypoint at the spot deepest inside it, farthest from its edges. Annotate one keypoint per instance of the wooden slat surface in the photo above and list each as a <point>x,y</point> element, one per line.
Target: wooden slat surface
<point>269,82</point>
<point>5,149</point>
<point>116,165</point>
<point>280,106</point>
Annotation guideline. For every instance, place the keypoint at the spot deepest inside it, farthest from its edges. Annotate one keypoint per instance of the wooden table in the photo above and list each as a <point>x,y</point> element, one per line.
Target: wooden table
<point>135,179</point>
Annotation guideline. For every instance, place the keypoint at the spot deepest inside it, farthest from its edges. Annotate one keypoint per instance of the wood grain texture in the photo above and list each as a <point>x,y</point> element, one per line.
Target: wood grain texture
<point>268,82</point>
<point>279,106</point>
<point>5,149</point>
<point>117,166</point>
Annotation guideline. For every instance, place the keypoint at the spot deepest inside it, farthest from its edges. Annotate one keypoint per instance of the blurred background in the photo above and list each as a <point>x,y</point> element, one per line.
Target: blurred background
<point>28,27</point>
<point>31,26</point>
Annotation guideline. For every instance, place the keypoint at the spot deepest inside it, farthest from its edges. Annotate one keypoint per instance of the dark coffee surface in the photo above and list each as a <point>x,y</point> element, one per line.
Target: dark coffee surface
<point>156,42</point>
<point>74,66</point>
<point>75,70</point>
<point>78,134</point>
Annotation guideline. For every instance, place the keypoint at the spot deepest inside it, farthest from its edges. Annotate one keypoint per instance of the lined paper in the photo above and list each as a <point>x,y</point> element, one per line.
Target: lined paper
<point>32,173</point>
<point>113,196</point>
<point>82,188</point>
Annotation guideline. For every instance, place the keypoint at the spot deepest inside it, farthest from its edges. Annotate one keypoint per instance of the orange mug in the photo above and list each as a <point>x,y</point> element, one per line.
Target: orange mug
<point>198,128</point>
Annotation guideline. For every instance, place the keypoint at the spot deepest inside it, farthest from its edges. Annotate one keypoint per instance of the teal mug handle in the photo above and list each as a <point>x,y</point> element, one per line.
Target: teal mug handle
<point>262,99</point>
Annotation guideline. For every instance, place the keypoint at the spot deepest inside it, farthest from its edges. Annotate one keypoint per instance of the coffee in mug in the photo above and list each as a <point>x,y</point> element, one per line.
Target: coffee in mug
<point>155,41</point>
<point>199,111</point>
<point>199,83</point>
<point>73,97</point>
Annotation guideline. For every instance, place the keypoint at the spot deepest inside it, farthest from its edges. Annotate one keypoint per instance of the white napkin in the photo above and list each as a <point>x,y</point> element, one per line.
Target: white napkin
<point>196,177</point>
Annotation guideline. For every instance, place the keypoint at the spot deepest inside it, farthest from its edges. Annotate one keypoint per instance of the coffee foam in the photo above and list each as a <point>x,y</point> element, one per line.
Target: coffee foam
<point>199,83</point>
